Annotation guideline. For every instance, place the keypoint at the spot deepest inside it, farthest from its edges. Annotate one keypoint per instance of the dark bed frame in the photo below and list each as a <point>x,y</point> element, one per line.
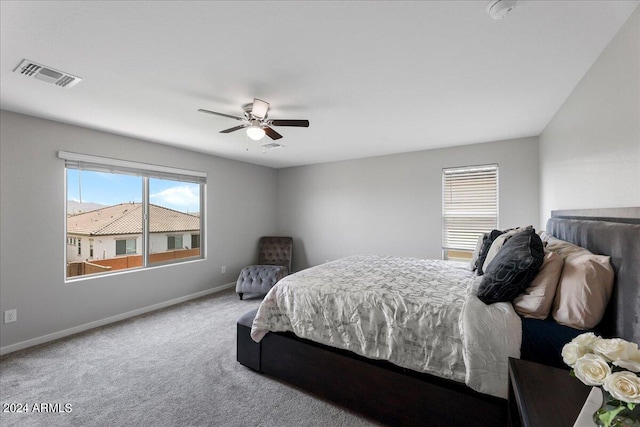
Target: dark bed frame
<point>395,396</point>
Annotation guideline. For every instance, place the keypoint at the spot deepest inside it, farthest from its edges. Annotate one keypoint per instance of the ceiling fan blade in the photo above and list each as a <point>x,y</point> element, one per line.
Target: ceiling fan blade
<point>259,108</point>
<point>298,123</point>
<point>220,114</point>
<point>271,133</point>
<point>233,129</point>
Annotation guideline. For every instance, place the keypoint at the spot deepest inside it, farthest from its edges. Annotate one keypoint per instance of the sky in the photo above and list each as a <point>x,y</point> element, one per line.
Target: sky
<point>111,189</point>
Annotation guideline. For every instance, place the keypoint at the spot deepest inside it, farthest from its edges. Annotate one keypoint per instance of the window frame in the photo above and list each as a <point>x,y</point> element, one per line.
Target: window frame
<point>146,171</point>
<point>175,237</point>
<point>126,246</point>
<point>485,220</point>
<point>195,237</point>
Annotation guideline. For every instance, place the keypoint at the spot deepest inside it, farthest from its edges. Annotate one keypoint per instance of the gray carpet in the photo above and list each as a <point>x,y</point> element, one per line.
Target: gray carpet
<point>173,367</point>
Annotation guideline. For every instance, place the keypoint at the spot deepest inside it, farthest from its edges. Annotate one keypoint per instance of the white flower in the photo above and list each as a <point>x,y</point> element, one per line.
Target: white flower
<point>572,352</point>
<point>591,369</point>
<point>587,339</point>
<point>614,349</point>
<point>578,347</point>
<point>632,363</point>
<point>623,385</point>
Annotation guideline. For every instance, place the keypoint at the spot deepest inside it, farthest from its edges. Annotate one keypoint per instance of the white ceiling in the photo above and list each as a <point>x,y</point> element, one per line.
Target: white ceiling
<point>373,78</point>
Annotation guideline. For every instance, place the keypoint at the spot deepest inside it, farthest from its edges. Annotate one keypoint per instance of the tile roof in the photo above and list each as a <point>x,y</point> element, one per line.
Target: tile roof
<point>126,218</point>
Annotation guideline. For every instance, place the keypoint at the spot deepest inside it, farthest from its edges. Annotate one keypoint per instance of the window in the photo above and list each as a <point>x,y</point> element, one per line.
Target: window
<point>174,242</point>
<point>126,247</point>
<point>195,241</point>
<point>469,208</point>
<point>134,215</point>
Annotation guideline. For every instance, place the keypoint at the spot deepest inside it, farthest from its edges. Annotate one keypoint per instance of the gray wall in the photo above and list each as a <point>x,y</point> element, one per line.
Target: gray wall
<point>392,204</point>
<point>590,151</point>
<point>588,156</point>
<point>240,203</point>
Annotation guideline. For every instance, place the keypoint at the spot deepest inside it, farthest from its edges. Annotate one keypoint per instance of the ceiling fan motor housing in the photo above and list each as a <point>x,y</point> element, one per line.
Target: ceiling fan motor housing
<point>248,112</point>
<point>247,107</point>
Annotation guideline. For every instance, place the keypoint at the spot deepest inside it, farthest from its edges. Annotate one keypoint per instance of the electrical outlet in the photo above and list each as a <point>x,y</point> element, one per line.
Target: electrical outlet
<point>11,316</point>
<point>223,269</point>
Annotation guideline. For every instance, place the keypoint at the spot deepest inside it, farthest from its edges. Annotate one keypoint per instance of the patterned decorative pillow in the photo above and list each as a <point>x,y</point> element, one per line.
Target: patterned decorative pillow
<point>500,241</point>
<point>486,245</point>
<point>512,269</point>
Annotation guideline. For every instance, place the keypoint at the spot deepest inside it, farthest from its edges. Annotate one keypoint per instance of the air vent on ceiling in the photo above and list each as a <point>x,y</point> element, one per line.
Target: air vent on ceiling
<point>272,145</point>
<point>46,74</point>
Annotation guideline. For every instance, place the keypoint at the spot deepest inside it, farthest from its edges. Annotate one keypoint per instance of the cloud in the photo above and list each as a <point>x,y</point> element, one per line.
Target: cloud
<point>179,197</point>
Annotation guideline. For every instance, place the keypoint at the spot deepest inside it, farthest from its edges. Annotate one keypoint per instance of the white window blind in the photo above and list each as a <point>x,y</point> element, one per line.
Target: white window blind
<point>104,164</point>
<point>469,205</point>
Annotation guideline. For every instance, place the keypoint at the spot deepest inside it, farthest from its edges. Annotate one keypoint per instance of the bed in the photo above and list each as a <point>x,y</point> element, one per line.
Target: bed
<point>397,393</point>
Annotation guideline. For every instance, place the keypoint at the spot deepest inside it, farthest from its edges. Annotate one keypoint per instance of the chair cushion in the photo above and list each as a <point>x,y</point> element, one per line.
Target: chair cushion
<point>259,278</point>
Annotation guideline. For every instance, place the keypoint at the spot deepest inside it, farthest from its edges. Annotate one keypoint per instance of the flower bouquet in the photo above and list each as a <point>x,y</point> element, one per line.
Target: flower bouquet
<point>613,365</point>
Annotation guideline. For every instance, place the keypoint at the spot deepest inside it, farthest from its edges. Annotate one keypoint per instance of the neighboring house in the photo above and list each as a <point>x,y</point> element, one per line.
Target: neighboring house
<point>116,231</point>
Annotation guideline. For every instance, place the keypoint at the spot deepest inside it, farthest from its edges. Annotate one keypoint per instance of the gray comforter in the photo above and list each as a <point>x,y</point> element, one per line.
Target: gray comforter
<point>403,310</point>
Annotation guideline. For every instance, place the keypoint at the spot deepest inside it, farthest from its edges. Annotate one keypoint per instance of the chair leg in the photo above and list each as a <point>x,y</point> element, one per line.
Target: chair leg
<point>240,295</point>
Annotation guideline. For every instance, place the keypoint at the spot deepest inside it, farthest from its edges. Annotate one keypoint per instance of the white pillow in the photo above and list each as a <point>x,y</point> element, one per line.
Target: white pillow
<point>545,236</point>
<point>563,247</point>
<point>536,300</point>
<point>584,290</point>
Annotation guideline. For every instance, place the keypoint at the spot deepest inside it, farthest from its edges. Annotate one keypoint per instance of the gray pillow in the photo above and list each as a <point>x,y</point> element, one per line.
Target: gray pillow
<point>512,269</point>
<point>484,250</point>
<point>476,251</point>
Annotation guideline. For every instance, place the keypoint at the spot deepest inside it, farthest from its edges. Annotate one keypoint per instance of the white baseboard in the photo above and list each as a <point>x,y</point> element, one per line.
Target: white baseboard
<point>81,328</point>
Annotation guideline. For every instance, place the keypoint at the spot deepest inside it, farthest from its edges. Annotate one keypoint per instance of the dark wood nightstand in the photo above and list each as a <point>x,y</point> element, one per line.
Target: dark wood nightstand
<point>542,396</point>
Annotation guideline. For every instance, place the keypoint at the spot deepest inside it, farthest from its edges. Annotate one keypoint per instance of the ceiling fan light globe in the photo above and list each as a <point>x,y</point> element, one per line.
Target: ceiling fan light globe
<point>256,133</point>
<point>498,9</point>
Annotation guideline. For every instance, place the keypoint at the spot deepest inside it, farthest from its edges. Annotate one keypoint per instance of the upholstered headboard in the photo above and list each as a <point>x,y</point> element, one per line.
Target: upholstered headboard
<point>614,232</point>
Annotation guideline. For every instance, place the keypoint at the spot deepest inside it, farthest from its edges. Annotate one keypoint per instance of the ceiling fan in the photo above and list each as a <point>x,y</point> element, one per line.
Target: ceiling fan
<point>256,122</point>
